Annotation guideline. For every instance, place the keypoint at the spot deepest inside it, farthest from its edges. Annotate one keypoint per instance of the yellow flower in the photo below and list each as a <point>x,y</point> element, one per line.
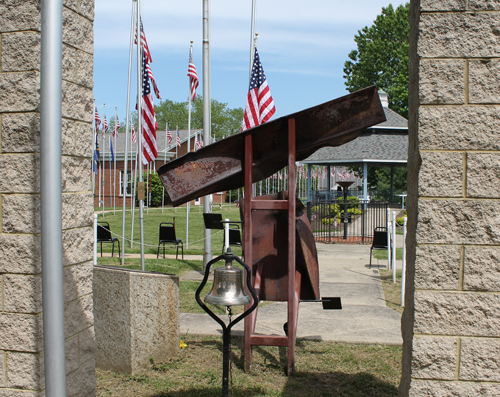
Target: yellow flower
<point>182,344</point>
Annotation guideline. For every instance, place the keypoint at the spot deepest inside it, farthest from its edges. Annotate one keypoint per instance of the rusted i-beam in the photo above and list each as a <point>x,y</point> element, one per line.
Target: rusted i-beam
<point>220,166</point>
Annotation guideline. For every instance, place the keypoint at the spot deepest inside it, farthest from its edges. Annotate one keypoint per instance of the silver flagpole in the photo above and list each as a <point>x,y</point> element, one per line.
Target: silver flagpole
<point>127,120</point>
<point>110,174</point>
<point>93,154</point>
<point>188,206</point>
<point>50,197</point>
<point>114,164</point>
<point>134,195</point>
<point>164,162</point>
<point>207,120</point>
<point>252,35</point>
<point>103,165</point>
<point>139,113</point>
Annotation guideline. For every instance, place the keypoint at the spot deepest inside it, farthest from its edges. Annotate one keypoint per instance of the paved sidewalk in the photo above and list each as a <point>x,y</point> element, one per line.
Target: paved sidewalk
<point>344,272</point>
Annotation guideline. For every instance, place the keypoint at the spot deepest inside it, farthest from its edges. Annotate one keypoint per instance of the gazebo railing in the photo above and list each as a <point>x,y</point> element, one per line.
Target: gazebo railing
<point>327,220</point>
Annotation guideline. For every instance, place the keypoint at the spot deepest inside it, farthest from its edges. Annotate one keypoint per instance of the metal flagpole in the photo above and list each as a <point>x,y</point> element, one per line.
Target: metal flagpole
<point>99,167</point>
<point>127,120</point>
<point>110,174</point>
<point>188,205</point>
<point>93,155</point>
<point>252,35</point>
<point>103,165</point>
<point>139,113</point>
<point>207,120</point>
<point>134,195</point>
<point>114,163</point>
<point>164,162</point>
<point>50,197</point>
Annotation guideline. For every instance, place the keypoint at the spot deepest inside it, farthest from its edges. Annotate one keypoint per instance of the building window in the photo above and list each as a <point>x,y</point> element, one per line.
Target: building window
<point>129,183</point>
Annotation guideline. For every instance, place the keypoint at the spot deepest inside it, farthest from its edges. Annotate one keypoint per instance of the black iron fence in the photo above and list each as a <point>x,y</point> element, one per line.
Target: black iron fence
<point>331,223</point>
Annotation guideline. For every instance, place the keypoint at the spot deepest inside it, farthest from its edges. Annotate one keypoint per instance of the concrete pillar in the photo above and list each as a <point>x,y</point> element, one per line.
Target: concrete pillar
<point>21,346</point>
<point>451,322</point>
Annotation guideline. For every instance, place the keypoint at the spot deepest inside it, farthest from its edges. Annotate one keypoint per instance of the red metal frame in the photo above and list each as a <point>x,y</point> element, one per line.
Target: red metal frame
<point>294,277</point>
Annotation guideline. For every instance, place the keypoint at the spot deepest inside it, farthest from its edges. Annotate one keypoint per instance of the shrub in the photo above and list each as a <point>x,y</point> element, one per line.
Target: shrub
<point>331,221</point>
<point>400,221</point>
<point>156,189</point>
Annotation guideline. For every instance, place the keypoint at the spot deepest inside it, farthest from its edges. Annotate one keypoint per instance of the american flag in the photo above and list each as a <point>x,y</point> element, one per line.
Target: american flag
<point>155,87</point>
<point>193,76</point>
<point>134,137</point>
<point>116,127</point>
<point>260,104</point>
<point>201,141</point>
<point>97,119</point>
<point>197,142</point>
<point>144,44</point>
<point>178,139</point>
<point>96,152</point>
<point>149,125</point>
<point>105,128</point>
<point>169,136</point>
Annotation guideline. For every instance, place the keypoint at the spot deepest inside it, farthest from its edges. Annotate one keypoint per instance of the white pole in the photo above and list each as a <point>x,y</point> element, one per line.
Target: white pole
<point>188,205</point>
<point>139,114</point>
<point>95,239</point>
<point>127,122</point>
<point>103,165</point>
<point>132,175</point>
<point>114,165</point>
<point>403,268</point>
<point>133,207</point>
<point>110,174</point>
<point>393,246</point>
<point>226,235</point>
<point>93,154</point>
<point>388,238</point>
<point>164,162</point>
<point>252,34</point>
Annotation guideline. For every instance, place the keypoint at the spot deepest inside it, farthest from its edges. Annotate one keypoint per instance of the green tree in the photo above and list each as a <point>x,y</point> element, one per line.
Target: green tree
<point>382,57</point>
<point>225,121</point>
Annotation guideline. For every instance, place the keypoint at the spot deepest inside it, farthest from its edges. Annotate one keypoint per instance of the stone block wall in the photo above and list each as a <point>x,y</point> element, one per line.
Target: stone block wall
<point>21,339</point>
<point>451,324</point>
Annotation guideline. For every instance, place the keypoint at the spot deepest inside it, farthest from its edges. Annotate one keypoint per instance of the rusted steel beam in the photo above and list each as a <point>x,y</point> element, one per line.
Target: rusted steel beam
<point>220,166</point>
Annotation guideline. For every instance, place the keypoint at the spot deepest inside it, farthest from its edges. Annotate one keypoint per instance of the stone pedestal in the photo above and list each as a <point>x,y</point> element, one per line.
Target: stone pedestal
<point>136,317</point>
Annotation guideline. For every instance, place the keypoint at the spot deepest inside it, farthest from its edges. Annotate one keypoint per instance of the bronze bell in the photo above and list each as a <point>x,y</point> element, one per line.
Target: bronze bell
<point>228,288</point>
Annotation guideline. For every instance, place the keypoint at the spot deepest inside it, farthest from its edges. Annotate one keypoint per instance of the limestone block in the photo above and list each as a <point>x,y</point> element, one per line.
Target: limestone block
<point>85,273</point>
<point>482,269</point>
<point>22,293</point>
<point>68,137</point>
<point>20,51</point>
<point>459,35</point>
<point>458,222</point>
<point>434,358</point>
<point>442,82</point>
<point>21,332</point>
<point>20,132</point>
<point>78,31</point>
<point>77,245</point>
<point>437,267</point>
<point>459,128</point>
<point>20,173</point>
<point>85,68</point>
<point>69,64</point>
<point>480,360</point>
<point>76,102</point>
<point>83,142</point>
<point>86,342</point>
<point>136,318</point>
<point>453,389</point>
<point>70,283</point>
<point>20,254</point>
<point>25,370</point>
<point>447,313</point>
<point>491,5</point>
<point>483,175</point>
<point>20,15</point>
<point>78,315</point>
<point>21,214</point>
<point>81,382</point>
<point>442,5</point>
<point>84,210</point>
<point>68,210</point>
<point>483,81</point>
<point>19,92</point>
<point>75,174</point>
<point>3,368</point>
<point>20,393</point>
<point>441,174</point>
<point>72,356</point>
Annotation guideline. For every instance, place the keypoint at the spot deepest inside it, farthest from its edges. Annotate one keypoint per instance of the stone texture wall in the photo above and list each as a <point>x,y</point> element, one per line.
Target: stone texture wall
<point>21,343</point>
<point>451,325</point>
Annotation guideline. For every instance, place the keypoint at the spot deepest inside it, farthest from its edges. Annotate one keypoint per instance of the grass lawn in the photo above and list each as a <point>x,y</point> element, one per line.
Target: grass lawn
<point>152,223</point>
<point>322,369</point>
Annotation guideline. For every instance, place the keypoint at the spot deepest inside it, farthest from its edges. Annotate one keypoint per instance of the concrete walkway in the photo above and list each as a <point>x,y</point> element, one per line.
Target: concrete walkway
<point>344,273</point>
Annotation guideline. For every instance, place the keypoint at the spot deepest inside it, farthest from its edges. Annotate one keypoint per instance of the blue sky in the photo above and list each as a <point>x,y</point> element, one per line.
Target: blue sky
<point>302,47</point>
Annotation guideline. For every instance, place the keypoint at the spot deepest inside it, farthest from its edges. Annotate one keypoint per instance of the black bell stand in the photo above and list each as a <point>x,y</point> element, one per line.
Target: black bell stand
<point>226,330</point>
